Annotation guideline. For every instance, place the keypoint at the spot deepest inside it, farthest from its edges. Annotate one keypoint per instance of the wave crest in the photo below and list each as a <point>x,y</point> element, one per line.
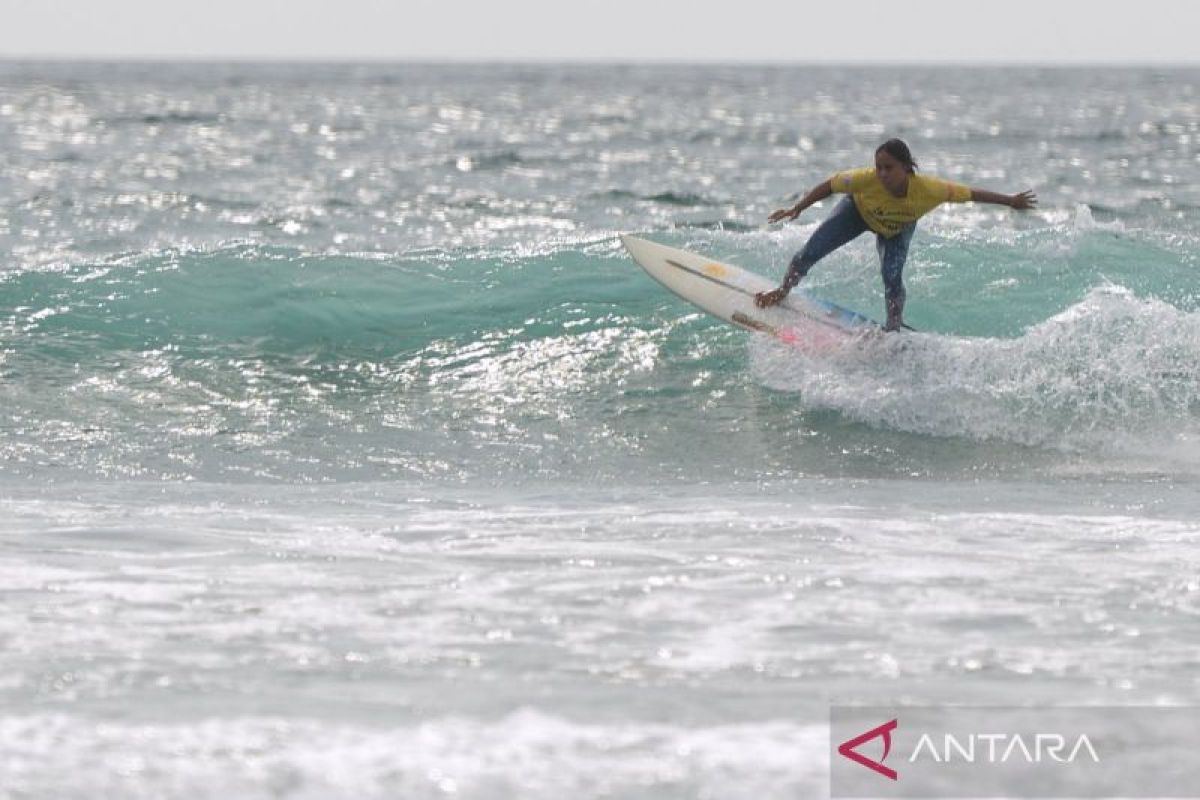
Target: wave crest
<point>1110,370</point>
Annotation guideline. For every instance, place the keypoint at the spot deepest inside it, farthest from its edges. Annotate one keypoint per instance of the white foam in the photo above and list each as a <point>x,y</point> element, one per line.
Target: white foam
<point>1106,373</point>
<point>526,754</point>
<point>1084,221</point>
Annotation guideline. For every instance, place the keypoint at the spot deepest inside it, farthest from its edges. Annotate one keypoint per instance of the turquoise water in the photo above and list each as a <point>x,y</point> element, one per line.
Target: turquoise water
<point>346,454</point>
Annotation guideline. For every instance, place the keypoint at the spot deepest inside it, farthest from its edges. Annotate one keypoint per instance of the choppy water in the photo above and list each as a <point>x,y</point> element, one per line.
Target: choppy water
<point>345,453</point>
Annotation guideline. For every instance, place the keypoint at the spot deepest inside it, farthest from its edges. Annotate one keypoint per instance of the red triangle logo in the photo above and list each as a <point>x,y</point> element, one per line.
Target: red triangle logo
<point>846,749</point>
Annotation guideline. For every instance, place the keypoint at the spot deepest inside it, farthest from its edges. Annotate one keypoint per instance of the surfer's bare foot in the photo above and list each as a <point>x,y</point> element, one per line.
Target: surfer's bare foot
<point>771,298</point>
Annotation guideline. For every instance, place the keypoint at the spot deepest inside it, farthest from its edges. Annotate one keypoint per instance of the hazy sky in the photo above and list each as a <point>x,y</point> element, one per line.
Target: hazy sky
<point>1146,31</point>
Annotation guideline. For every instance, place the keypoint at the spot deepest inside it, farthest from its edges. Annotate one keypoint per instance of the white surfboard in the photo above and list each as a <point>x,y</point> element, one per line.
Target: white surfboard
<point>727,292</point>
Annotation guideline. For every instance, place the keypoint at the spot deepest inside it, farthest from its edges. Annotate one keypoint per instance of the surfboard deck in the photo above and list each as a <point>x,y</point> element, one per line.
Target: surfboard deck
<point>727,292</point>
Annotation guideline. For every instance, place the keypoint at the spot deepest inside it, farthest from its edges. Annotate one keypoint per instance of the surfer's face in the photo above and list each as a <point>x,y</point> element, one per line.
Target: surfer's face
<point>892,173</point>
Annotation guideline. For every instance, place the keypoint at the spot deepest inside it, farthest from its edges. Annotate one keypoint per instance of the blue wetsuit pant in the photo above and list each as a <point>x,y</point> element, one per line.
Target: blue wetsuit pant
<point>842,226</point>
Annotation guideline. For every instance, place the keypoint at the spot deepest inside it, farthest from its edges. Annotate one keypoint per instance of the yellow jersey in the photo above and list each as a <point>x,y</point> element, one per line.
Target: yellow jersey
<point>887,214</point>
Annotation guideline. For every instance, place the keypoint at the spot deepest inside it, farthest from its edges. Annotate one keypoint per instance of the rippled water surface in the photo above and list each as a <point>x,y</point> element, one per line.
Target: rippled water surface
<point>346,454</point>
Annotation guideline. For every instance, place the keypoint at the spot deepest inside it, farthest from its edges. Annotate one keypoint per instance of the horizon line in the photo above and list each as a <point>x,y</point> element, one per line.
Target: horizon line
<point>614,61</point>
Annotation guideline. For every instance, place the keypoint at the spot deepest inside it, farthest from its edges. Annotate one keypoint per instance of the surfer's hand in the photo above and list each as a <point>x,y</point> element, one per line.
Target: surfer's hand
<point>773,297</point>
<point>784,213</point>
<point>1023,201</point>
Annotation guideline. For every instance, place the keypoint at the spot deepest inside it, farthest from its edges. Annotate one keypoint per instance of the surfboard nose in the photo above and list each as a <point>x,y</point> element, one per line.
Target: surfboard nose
<point>633,244</point>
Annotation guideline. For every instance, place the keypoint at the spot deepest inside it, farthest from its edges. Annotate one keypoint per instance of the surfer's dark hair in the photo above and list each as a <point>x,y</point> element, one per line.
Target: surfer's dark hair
<point>897,149</point>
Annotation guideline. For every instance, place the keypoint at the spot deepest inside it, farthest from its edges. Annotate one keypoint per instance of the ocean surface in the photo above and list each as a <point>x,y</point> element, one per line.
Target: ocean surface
<point>345,453</point>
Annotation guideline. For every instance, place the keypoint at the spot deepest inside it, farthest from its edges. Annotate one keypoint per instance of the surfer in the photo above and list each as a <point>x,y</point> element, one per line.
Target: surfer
<point>888,200</point>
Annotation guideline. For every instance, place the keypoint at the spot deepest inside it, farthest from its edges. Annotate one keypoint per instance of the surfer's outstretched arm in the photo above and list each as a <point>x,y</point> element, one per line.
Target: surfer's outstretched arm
<point>1019,202</point>
<point>817,194</point>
